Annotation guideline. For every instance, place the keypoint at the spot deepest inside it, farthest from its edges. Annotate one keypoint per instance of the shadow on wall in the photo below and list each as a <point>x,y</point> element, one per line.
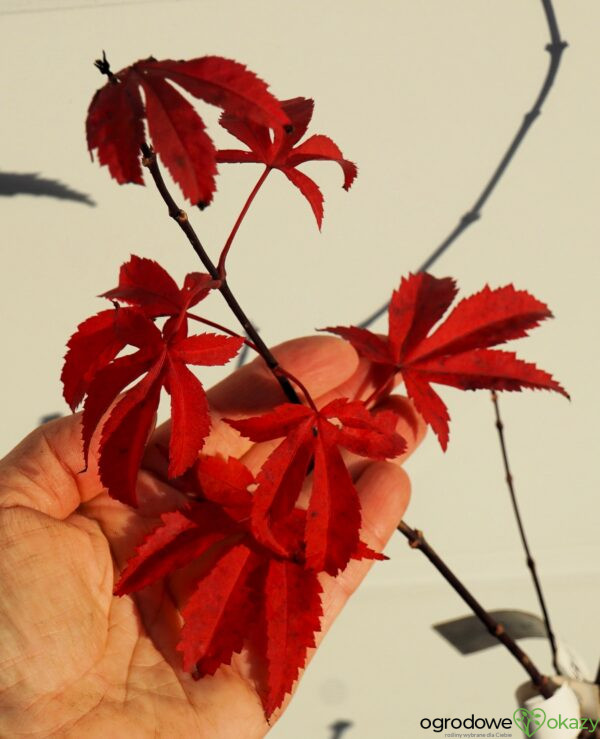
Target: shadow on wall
<point>49,417</point>
<point>339,728</point>
<point>13,183</point>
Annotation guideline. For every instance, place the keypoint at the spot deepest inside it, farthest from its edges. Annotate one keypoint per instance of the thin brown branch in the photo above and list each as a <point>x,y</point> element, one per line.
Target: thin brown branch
<point>416,540</point>
<point>180,217</point>
<point>555,48</point>
<point>528,556</point>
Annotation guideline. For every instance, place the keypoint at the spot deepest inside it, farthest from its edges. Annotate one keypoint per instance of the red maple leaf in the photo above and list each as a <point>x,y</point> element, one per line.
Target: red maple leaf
<point>280,152</point>
<point>93,369</point>
<point>456,353</point>
<point>115,120</point>
<point>244,592</point>
<point>145,284</point>
<point>333,516</point>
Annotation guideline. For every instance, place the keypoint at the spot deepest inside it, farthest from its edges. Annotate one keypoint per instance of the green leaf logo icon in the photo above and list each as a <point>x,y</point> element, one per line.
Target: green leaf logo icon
<point>529,721</point>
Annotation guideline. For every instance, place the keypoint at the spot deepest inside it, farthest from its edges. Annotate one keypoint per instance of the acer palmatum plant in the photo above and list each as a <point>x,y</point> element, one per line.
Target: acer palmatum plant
<point>259,549</point>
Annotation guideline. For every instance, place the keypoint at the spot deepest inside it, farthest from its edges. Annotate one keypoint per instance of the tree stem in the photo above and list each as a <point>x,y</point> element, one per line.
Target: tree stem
<point>528,556</point>
<point>416,540</point>
<point>180,217</point>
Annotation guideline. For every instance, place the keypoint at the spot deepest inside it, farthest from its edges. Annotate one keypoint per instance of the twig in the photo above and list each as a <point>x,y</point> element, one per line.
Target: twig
<point>529,558</point>
<point>416,540</point>
<point>180,217</point>
<point>555,49</point>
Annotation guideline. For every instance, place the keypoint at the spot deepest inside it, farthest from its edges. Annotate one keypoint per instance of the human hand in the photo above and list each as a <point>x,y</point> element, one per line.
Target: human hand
<point>76,661</point>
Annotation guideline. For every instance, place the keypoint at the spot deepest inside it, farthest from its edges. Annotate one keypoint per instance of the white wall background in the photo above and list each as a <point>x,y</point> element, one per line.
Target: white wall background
<point>424,96</point>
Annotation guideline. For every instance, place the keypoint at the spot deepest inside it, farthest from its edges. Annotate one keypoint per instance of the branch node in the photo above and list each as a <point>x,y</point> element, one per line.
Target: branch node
<point>499,630</point>
<point>531,116</point>
<point>418,540</point>
<point>469,218</point>
<point>181,216</point>
<point>148,161</point>
<point>556,47</point>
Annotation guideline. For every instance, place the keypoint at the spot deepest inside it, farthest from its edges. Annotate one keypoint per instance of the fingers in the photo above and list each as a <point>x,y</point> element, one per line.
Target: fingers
<point>410,425</point>
<point>44,471</point>
<point>384,490</point>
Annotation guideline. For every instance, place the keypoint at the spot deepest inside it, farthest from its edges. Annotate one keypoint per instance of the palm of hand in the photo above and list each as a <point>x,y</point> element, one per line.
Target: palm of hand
<point>79,662</point>
<point>76,661</point>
